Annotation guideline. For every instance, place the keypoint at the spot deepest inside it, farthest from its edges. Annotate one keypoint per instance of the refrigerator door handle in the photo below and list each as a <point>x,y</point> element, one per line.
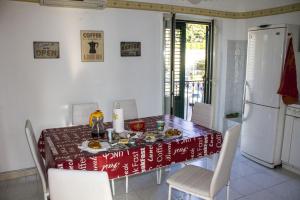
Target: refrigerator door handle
<point>244,96</point>
<point>244,100</point>
<point>245,117</point>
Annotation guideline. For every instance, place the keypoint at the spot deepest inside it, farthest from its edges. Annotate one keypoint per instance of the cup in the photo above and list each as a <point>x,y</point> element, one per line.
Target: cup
<point>109,133</point>
<point>160,125</point>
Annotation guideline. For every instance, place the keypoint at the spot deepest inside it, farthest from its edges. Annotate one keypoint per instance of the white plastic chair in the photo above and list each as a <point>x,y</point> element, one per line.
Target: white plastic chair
<point>37,157</point>
<point>204,183</point>
<point>202,114</point>
<point>129,108</point>
<point>81,113</point>
<point>78,185</point>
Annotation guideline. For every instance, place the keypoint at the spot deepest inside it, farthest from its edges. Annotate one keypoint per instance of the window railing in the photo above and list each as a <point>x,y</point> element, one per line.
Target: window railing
<point>194,92</point>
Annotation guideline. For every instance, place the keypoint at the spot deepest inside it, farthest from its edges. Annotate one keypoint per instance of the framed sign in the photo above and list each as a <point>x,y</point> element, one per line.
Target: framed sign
<point>45,50</point>
<point>130,49</point>
<point>92,46</point>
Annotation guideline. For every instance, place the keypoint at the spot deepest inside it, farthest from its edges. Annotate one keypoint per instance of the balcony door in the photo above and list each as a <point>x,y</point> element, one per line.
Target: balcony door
<point>187,61</point>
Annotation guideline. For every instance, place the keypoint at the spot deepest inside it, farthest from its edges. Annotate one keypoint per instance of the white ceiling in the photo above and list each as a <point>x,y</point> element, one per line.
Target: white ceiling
<point>228,5</point>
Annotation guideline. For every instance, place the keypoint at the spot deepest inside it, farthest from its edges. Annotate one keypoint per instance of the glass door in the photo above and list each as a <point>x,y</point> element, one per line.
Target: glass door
<point>187,64</point>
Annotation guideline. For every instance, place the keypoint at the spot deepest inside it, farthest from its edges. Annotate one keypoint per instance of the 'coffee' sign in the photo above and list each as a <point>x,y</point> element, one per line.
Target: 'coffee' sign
<point>46,50</point>
<point>92,46</point>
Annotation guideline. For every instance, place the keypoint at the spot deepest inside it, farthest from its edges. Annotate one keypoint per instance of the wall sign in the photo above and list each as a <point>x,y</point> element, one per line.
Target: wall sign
<point>130,49</point>
<point>45,50</point>
<point>92,46</point>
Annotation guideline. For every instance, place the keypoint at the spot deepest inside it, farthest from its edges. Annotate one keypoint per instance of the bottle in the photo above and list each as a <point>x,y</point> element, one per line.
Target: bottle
<point>96,123</point>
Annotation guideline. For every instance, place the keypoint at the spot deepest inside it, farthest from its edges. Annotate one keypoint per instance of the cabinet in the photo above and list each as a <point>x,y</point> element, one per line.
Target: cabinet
<point>291,141</point>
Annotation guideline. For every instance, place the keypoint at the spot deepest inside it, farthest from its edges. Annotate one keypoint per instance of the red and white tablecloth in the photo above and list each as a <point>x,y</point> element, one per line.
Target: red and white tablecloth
<point>59,147</point>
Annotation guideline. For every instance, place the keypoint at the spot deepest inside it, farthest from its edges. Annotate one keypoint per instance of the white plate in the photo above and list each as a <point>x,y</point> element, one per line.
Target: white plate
<point>172,137</point>
<point>84,147</point>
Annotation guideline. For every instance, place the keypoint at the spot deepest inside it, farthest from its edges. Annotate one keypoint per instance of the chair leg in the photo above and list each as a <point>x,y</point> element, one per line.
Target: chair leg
<point>169,193</point>
<point>113,187</point>
<point>227,190</point>
<point>126,184</point>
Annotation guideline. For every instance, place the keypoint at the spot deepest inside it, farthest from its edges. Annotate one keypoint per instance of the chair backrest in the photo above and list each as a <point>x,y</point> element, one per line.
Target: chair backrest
<point>223,168</point>
<point>36,154</point>
<point>78,185</point>
<point>81,112</point>
<point>129,107</point>
<point>202,114</point>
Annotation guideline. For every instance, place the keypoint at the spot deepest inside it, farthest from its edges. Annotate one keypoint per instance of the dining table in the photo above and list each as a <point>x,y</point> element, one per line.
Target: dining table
<point>60,148</point>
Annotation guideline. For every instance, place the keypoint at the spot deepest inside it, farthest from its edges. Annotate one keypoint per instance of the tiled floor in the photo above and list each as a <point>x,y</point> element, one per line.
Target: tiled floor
<point>249,181</point>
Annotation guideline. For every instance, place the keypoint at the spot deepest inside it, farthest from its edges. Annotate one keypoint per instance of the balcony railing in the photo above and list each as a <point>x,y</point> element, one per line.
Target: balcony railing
<point>193,92</point>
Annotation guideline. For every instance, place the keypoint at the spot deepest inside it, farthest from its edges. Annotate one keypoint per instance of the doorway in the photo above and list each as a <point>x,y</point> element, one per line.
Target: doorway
<point>188,61</point>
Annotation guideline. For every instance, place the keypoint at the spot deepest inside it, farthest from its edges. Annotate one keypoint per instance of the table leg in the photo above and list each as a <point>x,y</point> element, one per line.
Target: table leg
<point>158,176</point>
<point>113,187</point>
<point>126,178</point>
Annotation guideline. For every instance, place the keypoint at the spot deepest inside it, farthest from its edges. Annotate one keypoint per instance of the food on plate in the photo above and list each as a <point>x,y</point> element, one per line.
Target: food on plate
<point>123,141</point>
<point>172,132</point>
<point>150,134</point>
<point>94,144</point>
<point>150,137</point>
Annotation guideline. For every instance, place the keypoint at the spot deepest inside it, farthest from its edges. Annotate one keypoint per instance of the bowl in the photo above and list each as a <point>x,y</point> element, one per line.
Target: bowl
<point>137,125</point>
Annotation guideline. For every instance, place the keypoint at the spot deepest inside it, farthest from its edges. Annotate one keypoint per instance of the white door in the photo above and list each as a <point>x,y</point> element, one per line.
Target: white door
<point>295,144</point>
<point>258,137</point>
<point>264,65</point>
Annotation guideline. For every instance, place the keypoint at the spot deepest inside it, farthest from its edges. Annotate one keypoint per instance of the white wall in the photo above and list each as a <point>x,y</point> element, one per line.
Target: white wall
<point>42,90</point>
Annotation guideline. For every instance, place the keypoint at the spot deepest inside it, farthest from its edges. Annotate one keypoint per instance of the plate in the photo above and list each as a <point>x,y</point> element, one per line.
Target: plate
<point>130,134</point>
<point>150,137</point>
<point>84,147</point>
<point>172,133</point>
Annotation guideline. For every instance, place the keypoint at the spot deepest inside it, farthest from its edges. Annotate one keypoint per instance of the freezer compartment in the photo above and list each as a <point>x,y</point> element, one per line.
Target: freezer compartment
<point>259,131</point>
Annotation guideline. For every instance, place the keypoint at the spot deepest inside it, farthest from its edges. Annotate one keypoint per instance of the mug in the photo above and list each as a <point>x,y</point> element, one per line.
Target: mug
<point>160,125</point>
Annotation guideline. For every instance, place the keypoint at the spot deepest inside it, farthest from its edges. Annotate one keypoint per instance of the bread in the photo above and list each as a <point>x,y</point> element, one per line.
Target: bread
<point>172,132</point>
<point>123,141</point>
<point>94,144</point>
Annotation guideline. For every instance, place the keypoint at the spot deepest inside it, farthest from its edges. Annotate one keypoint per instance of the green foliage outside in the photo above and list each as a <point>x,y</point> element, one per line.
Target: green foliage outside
<point>200,65</point>
<point>196,40</point>
<point>195,36</point>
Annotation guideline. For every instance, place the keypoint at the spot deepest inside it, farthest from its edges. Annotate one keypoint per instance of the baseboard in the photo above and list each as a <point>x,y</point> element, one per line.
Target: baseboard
<point>291,168</point>
<point>17,174</point>
<point>269,165</point>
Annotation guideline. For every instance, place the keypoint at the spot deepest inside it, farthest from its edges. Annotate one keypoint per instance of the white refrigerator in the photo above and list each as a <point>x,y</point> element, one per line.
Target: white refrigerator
<point>263,113</point>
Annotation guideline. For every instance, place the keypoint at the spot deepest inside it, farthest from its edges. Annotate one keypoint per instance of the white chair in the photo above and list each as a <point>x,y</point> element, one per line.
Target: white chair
<point>37,157</point>
<point>78,185</point>
<point>129,108</point>
<point>202,114</point>
<point>81,113</point>
<point>204,183</point>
